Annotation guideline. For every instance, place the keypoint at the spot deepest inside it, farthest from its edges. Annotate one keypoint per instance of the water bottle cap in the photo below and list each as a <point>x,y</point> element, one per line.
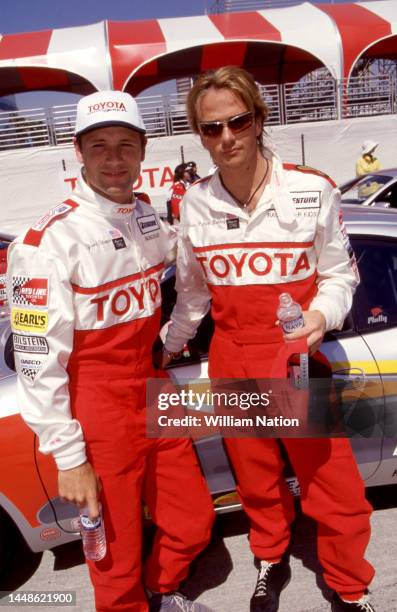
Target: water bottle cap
<point>285,299</point>
<point>89,524</point>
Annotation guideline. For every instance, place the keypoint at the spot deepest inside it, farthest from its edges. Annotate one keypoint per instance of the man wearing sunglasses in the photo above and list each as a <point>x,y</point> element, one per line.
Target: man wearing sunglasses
<point>253,230</point>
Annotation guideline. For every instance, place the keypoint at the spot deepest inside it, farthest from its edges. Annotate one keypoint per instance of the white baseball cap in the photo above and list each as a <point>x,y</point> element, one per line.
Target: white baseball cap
<point>106,108</point>
<point>368,146</point>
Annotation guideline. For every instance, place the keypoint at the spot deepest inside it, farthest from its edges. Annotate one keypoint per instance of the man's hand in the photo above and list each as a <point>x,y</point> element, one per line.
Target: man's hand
<point>313,329</point>
<point>81,485</point>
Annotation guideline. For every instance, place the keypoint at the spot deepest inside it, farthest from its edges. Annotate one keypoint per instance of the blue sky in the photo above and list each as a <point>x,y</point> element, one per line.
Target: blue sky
<point>33,15</point>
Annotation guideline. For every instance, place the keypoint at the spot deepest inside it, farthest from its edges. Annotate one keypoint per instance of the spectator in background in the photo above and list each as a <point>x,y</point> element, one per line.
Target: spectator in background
<point>177,191</point>
<point>191,167</point>
<point>367,164</point>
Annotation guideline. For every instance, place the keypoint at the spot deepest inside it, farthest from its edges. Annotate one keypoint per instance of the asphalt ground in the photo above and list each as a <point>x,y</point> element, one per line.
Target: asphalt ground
<point>223,577</point>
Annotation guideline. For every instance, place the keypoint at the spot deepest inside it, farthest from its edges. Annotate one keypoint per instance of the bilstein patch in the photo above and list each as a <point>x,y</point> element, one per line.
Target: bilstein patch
<point>30,344</point>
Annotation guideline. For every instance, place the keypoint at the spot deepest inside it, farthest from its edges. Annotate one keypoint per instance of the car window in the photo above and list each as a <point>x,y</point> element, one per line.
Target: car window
<point>355,192</point>
<point>375,302</point>
<point>388,195</point>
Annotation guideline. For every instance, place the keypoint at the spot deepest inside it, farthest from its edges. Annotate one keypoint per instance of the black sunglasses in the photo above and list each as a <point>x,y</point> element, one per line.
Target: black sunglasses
<point>238,123</point>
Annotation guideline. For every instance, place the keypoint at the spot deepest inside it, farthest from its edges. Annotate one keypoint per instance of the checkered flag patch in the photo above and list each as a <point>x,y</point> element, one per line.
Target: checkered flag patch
<point>31,374</point>
<point>17,283</point>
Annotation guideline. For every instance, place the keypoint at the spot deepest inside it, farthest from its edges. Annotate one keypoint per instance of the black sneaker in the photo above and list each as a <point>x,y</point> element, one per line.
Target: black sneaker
<point>361,605</point>
<point>272,578</point>
<point>174,602</point>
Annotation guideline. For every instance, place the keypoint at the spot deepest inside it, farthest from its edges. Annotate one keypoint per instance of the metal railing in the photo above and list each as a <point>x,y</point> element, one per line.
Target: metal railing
<point>234,6</point>
<point>305,101</point>
<point>24,128</point>
<point>62,121</point>
<point>272,95</point>
<point>227,6</point>
<point>366,97</point>
<point>310,101</point>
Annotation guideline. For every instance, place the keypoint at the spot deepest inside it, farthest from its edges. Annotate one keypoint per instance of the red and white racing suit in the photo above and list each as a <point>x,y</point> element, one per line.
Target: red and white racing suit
<point>294,241</point>
<point>84,288</point>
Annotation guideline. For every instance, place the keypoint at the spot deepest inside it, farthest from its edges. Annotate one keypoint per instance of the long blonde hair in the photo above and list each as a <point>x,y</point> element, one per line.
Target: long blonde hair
<point>236,79</point>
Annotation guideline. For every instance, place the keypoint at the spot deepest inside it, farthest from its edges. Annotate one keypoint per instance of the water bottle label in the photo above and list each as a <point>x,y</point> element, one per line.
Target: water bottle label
<point>290,326</point>
<point>87,523</point>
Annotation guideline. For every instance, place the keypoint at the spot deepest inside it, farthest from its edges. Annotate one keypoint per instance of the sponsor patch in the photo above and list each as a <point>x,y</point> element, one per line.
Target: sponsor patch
<point>233,223</point>
<point>3,290</point>
<point>306,199</point>
<point>51,214</point>
<point>29,320</point>
<point>147,224</point>
<point>50,533</point>
<point>30,344</point>
<point>119,243</point>
<point>29,367</point>
<point>27,291</point>
<point>377,316</point>
<point>348,246</point>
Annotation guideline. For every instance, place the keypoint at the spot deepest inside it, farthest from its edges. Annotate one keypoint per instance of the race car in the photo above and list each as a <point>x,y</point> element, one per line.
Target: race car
<point>377,189</point>
<point>363,356</point>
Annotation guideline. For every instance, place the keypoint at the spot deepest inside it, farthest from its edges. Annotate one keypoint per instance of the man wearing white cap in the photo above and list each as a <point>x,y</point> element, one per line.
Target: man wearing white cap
<point>95,263</point>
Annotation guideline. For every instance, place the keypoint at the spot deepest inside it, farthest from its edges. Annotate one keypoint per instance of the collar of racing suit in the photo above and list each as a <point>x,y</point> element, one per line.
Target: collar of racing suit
<point>101,205</point>
<point>276,193</point>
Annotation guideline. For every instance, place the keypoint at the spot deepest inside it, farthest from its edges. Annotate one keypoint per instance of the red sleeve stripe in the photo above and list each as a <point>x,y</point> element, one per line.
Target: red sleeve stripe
<point>309,170</point>
<point>33,237</point>
<point>118,282</point>
<point>254,245</point>
<point>143,197</point>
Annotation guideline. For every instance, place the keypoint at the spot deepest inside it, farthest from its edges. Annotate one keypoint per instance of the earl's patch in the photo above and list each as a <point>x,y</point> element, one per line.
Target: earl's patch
<point>29,320</point>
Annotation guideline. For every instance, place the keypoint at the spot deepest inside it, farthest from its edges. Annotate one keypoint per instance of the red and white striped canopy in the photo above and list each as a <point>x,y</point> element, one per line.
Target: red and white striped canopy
<point>276,45</point>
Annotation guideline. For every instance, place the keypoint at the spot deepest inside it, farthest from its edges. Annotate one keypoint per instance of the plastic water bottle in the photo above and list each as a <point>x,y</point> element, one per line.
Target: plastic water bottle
<point>289,313</point>
<point>93,535</point>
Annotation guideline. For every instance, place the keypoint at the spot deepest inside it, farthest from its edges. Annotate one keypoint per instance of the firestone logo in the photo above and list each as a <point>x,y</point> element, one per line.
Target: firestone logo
<point>107,106</point>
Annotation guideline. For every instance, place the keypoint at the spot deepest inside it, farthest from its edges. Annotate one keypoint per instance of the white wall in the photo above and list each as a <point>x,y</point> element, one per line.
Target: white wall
<point>33,180</point>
